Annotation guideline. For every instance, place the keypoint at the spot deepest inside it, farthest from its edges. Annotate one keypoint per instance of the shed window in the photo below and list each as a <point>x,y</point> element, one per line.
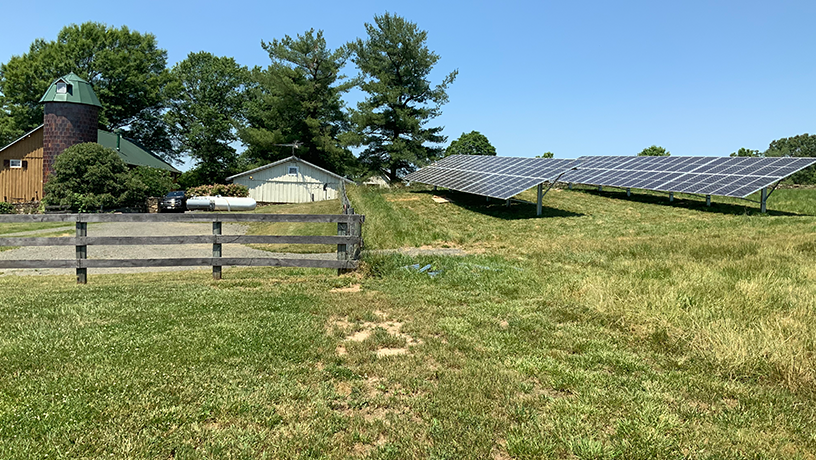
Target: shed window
<point>62,87</point>
<point>15,163</point>
<point>293,170</point>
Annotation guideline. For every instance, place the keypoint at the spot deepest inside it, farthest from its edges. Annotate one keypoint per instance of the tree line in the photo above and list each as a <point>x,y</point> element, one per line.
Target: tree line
<point>205,105</point>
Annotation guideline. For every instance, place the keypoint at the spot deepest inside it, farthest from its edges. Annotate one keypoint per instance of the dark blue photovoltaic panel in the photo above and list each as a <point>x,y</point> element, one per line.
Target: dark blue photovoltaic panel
<point>725,176</point>
<point>497,177</point>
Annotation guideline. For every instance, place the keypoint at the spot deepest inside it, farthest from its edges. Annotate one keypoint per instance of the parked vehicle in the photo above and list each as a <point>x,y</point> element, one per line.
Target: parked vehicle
<point>173,202</point>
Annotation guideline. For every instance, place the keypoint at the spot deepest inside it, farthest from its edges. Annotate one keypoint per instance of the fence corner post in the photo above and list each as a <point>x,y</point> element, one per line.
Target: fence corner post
<point>216,230</point>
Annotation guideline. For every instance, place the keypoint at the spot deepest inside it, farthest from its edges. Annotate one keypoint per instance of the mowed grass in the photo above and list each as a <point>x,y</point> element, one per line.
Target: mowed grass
<point>609,328</point>
<point>296,228</point>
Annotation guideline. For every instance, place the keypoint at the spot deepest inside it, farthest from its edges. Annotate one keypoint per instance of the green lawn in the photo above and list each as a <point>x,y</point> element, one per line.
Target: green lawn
<point>609,328</point>
<point>296,228</point>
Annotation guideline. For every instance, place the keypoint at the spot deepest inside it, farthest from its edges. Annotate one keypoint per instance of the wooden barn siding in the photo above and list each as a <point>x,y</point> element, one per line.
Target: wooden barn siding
<point>23,184</point>
<point>274,185</point>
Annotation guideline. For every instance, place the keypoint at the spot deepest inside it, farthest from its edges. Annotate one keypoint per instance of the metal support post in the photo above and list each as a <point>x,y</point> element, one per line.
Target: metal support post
<point>434,188</point>
<point>540,199</point>
<point>600,188</point>
<point>342,250</point>
<point>216,250</point>
<point>671,196</point>
<point>569,186</point>
<point>507,203</point>
<point>81,253</point>
<point>708,200</point>
<point>762,205</point>
<point>487,198</point>
<point>628,192</point>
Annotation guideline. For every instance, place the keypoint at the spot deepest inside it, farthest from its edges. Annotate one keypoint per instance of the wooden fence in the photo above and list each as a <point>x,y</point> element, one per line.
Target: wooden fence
<point>348,241</point>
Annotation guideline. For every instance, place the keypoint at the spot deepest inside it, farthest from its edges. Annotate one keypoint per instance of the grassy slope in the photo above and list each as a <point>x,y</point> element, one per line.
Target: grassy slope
<point>610,328</point>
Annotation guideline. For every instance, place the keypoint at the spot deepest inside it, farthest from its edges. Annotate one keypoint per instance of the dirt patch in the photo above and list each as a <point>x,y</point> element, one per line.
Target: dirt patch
<point>343,388</point>
<point>359,336</point>
<point>432,251</point>
<point>401,198</point>
<point>499,451</point>
<point>362,331</point>
<point>440,199</point>
<point>352,288</point>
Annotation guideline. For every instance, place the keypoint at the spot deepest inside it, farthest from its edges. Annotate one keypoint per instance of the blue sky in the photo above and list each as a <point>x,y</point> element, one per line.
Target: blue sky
<point>575,78</point>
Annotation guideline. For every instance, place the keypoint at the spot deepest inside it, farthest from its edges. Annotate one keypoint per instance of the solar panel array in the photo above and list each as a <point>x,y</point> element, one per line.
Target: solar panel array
<point>725,176</point>
<point>497,177</point>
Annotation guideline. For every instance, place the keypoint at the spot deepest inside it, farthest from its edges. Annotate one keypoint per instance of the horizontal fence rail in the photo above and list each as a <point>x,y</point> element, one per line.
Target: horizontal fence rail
<point>346,259</point>
<point>186,217</point>
<point>180,262</point>
<point>193,239</point>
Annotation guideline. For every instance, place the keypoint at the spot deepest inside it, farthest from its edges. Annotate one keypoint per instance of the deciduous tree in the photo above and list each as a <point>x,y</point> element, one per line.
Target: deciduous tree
<point>298,98</point>
<point>395,64</point>
<point>126,68</point>
<point>803,145</point>
<point>472,143</point>
<point>743,152</point>
<point>654,151</point>
<point>206,110</point>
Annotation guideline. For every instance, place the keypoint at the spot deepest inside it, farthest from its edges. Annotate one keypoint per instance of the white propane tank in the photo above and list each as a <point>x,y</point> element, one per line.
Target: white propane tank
<point>220,203</point>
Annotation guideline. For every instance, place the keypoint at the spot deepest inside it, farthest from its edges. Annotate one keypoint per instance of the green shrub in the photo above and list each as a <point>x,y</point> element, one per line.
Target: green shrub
<point>6,208</point>
<point>219,189</point>
<point>157,181</point>
<point>89,177</point>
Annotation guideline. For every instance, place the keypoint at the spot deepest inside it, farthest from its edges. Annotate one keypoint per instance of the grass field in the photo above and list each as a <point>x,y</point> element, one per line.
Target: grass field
<point>608,328</point>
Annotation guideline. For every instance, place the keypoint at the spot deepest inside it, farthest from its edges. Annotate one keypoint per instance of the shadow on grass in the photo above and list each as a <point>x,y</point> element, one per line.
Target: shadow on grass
<point>686,201</point>
<point>496,208</point>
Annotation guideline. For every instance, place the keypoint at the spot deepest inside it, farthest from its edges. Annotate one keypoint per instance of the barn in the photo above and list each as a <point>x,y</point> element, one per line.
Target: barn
<point>290,180</point>
<point>71,117</point>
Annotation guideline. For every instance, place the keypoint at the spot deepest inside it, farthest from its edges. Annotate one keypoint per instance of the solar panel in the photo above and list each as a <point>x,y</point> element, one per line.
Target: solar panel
<point>725,176</point>
<point>497,177</point>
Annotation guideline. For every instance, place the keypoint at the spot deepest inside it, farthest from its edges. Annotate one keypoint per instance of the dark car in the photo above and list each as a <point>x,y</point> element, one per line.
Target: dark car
<point>173,202</point>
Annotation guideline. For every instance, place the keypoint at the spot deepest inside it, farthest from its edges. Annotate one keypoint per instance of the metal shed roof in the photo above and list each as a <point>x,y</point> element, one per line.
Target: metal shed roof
<point>270,165</point>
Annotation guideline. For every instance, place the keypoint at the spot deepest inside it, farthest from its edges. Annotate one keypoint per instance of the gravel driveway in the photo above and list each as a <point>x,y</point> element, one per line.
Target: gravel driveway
<point>137,252</point>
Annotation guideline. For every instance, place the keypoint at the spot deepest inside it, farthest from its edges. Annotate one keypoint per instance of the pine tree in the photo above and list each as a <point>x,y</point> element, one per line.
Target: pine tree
<point>391,122</point>
<point>298,98</point>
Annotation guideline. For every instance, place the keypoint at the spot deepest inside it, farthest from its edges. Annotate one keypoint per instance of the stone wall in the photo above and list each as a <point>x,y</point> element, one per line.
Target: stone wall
<point>26,207</point>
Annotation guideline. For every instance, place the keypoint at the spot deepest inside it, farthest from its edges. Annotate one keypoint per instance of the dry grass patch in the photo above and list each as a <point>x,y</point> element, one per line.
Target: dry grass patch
<point>385,336</point>
<point>352,288</point>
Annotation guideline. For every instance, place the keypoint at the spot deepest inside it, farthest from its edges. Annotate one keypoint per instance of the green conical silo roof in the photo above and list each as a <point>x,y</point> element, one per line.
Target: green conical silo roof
<point>71,88</point>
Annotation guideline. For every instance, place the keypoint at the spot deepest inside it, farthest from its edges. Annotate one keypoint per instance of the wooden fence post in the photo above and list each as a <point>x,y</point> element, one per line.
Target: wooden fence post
<point>216,229</point>
<point>342,249</point>
<point>81,253</point>
<point>357,231</point>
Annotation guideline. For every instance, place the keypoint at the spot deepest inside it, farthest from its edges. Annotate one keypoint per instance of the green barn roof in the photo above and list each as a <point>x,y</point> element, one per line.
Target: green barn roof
<point>131,152</point>
<point>71,88</point>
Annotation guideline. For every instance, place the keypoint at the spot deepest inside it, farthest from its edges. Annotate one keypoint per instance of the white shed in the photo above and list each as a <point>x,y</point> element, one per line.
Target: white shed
<point>290,180</point>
